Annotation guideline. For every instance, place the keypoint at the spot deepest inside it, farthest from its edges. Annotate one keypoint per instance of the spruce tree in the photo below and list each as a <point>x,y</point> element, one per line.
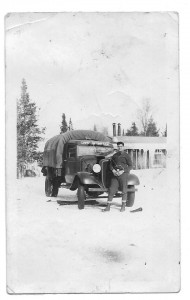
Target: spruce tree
<point>133,131</point>
<point>29,134</point>
<point>70,125</point>
<point>152,128</point>
<point>165,132</point>
<point>64,126</point>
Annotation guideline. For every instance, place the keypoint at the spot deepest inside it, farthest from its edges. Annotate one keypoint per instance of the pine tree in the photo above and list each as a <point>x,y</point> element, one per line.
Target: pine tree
<point>133,131</point>
<point>29,134</point>
<point>95,128</point>
<point>152,128</point>
<point>64,126</point>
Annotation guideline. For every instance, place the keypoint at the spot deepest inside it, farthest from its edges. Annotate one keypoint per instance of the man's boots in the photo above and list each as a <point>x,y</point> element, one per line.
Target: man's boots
<point>123,206</point>
<point>107,207</point>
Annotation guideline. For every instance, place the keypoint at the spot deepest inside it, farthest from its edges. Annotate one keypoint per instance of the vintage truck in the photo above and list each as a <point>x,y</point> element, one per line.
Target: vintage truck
<point>79,160</point>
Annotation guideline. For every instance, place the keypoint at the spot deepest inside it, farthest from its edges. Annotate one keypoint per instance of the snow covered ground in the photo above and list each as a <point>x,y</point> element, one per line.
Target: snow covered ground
<point>56,248</point>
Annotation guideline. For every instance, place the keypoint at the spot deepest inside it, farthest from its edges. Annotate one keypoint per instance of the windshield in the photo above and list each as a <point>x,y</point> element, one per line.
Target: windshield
<point>94,150</point>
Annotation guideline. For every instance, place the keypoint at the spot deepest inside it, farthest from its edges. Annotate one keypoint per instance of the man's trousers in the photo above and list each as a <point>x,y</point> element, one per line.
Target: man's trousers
<point>118,183</point>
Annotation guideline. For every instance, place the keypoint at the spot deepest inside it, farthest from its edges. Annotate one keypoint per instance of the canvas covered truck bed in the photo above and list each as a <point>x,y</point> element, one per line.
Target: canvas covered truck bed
<point>54,147</point>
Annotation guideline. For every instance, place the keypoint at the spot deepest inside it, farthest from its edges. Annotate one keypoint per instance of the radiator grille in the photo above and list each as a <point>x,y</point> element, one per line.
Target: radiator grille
<point>105,173</point>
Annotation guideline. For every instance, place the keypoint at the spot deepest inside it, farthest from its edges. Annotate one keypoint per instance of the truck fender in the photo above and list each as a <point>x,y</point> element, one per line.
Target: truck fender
<point>84,178</point>
<point>133,180</point>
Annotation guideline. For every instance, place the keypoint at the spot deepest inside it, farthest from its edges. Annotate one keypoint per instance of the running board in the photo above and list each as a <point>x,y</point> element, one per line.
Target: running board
<point>97,190</point>
<point>106,190</point>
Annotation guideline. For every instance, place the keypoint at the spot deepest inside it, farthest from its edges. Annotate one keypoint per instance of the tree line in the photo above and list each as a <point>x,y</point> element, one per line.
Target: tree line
<point>148,125</point>
<point>146,121</point>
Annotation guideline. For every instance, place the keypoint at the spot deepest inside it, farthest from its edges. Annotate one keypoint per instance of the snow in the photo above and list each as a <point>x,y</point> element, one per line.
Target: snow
<point>54,248</point>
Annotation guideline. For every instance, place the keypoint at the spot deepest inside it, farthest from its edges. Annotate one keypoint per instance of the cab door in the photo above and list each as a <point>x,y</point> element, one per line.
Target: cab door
<point>70,163</point>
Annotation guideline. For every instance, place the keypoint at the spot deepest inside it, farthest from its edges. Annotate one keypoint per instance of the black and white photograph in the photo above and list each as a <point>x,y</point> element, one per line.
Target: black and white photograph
<point>92,152</point>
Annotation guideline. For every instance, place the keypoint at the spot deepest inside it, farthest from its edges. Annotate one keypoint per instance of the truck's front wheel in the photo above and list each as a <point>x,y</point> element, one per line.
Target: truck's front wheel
<point>130,197</point>
<point>81,194</point>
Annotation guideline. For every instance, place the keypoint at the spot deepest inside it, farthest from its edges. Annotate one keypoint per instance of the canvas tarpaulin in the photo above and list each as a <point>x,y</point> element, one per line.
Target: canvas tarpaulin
<point>54,147</point>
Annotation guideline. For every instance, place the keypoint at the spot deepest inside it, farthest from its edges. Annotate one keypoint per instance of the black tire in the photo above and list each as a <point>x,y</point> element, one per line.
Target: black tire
<point>55,187</point>
<point>48,187</point>
<point>55,191</point>
<point>51,187</point>
<point>130,197</point>
<point>81,194</point>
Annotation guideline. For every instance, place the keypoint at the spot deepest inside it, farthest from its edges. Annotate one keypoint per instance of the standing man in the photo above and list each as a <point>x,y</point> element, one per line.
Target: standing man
<point>120,166</point>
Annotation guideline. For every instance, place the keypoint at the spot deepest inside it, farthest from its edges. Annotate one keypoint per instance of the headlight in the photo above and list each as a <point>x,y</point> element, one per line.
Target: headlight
<point>96,168</point>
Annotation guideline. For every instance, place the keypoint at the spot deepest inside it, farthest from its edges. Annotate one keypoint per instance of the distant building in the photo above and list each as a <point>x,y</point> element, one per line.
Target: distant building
<point>145,152</point>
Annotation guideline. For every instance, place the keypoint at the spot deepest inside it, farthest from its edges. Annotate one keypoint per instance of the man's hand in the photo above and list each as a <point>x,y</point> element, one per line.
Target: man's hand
<point>114,172</point>
<point>119,173</point>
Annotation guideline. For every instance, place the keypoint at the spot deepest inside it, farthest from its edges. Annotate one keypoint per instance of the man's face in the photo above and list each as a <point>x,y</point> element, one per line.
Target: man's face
<point>120,147</point>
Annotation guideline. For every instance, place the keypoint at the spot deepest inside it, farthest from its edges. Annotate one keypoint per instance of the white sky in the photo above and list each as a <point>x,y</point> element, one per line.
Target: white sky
<point>93,67</point>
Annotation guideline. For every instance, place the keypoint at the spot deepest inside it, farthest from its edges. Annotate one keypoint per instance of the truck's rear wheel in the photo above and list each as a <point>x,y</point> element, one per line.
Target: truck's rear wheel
<point>55,190</point>
<point>48,187</point>
<point>56,186</point>
<point>81,194</point>
<point>51,187</point>
<point>130,197</point>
